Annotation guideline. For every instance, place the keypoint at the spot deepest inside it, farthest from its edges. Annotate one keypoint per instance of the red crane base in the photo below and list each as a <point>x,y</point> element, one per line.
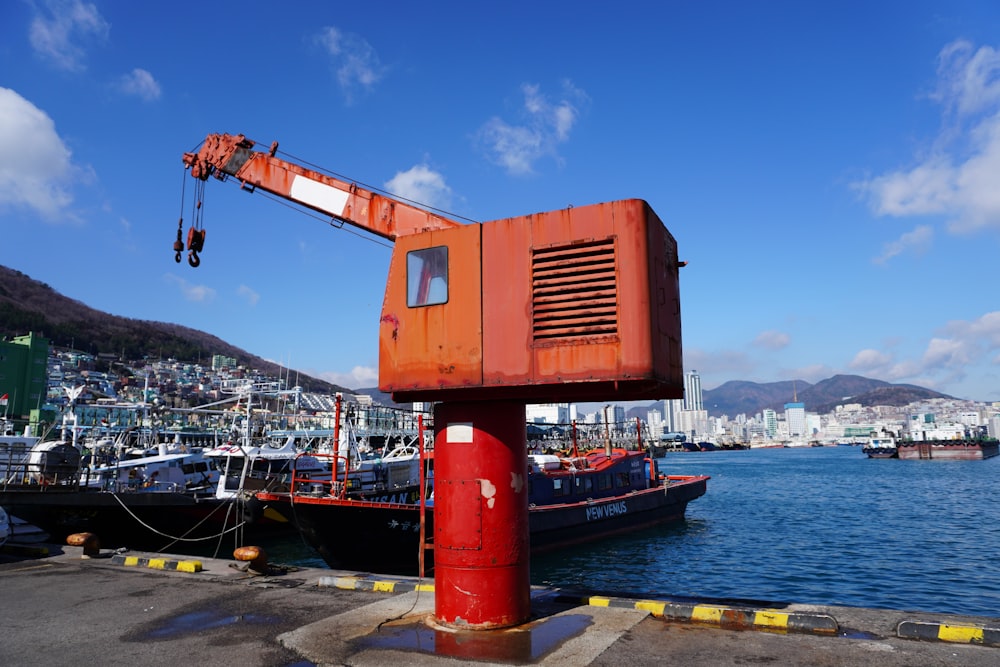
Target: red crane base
<point>481,548</point>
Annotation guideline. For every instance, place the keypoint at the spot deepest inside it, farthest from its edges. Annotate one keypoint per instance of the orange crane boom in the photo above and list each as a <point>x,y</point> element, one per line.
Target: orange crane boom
<point>225,155</point>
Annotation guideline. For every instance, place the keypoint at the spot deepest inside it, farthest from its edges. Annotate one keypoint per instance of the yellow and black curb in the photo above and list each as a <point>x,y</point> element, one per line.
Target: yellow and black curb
<point>158,563</point>
<point>376,585</point>
<point>942,632</point>
<point>726,617</point>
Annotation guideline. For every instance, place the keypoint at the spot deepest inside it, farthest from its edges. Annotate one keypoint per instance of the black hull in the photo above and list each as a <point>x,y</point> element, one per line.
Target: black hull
<point>135,520</point>
<point>880,452</point>
<point>385,537</point>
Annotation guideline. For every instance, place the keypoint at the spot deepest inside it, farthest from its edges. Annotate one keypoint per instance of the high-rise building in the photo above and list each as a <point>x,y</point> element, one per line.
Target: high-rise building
<point>770,421</point>
<point>692,391</point>
<point>671,414</point>
<point>795,417</point>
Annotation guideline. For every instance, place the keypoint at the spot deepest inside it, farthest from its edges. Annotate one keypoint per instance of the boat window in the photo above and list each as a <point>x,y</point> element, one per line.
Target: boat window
<point>621,480</point>
<point>427,276</point>
<point>603,482</point>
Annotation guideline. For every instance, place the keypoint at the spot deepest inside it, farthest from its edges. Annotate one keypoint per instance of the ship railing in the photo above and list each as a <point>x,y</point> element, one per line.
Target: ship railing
<point>20,474</point>
<point>305,481</point>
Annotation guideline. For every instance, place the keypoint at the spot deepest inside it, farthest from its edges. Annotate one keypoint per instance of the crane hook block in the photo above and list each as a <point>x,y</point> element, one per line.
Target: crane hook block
<point>193,259</point>
<point>196,239</point>
<point>178,247</point>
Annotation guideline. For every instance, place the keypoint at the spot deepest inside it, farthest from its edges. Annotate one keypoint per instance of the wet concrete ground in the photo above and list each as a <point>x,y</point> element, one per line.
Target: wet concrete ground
<point>63,609</point>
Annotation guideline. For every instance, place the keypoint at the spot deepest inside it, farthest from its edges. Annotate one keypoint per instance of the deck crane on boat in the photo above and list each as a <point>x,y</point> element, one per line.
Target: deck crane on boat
<point>577,304</point>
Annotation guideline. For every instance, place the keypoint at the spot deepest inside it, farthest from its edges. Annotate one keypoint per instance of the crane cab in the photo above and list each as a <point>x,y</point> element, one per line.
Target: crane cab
<point>569,305</point>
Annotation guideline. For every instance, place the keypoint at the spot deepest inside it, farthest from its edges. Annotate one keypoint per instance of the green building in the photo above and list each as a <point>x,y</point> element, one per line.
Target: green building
<point>23,375</point>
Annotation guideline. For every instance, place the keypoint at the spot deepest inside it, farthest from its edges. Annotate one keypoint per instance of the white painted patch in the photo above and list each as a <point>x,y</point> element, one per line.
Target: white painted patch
<point>488,490</point>
<point>516,482</point>
<point>324,197</point>
<point>458,432</point>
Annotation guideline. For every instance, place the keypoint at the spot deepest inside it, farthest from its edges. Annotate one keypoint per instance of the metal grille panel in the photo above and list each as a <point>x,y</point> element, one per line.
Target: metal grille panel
<point>574,291</point>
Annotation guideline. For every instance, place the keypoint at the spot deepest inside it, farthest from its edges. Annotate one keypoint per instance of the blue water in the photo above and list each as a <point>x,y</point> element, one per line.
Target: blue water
<point>822,525</point>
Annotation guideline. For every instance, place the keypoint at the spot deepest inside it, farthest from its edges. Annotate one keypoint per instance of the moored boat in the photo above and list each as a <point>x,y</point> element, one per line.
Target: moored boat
<point>955,450</point>
<point>571,500</point>
<point>881,446</point>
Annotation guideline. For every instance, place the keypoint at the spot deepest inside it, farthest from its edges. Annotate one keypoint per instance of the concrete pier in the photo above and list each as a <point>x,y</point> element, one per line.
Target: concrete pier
<point>65,608</point>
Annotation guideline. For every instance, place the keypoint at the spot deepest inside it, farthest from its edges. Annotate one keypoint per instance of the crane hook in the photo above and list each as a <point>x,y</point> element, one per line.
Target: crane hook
<point>195,243</point>
<point>179,243</point>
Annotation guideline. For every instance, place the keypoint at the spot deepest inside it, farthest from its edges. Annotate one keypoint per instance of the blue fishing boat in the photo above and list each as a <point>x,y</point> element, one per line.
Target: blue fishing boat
<point>571,500</point>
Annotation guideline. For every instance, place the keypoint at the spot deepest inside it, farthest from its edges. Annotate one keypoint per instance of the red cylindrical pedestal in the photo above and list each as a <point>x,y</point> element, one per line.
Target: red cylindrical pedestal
<point>481,549</point>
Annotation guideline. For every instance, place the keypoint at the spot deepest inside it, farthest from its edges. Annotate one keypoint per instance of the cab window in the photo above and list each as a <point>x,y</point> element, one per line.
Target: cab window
<point>427,276</point>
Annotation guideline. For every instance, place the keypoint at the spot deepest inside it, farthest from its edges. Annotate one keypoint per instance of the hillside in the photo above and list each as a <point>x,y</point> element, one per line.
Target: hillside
<point>733,398</point>
<point>741,397</point>
<point>27,305</point>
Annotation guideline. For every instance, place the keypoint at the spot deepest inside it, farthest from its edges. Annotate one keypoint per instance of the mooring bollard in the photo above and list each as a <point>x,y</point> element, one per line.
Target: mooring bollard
<point>91,545</point>
<point>255,557</point>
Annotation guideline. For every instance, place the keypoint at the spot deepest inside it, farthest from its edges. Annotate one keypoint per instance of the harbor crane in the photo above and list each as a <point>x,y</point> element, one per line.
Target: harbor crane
<point>576,304</point>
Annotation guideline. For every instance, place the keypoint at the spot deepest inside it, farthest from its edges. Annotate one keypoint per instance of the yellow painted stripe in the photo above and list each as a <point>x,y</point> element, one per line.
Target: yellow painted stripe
<point>131,560</point>
<point>384,586</point>
<point>654,608</point>
<point>350,583</point>
<point>157,563</point>
<point>772,619</point>
<point>599,602</point>
<point>189,566</point>
<point>960,633</point>
<point>707,614</point>
<point>424,587</point>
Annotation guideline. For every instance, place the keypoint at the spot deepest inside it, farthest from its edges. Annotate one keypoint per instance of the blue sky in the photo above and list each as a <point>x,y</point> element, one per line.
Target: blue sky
<point>831,172</point>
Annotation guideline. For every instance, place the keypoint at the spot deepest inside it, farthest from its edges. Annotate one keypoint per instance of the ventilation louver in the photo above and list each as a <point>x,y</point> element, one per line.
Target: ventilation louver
<point>574,291</point>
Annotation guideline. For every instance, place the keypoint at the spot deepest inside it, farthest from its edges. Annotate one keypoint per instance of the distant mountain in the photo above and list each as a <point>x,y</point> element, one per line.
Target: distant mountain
<point>736,397</point>
<point>741,397</point>
<point>27,305</point>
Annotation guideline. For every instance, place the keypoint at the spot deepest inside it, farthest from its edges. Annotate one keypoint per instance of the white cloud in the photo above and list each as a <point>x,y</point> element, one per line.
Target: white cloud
<point>60,26</point>
<point>356,63</point>
<point>963,343</point>
<point>421,184</point>
<point>772,340</point>
<point>140,83</point>
<point>196,293</point>
<point>918,240</point>
<point>36,167</point>
<point>958,348</point>
<point>957,177</point>
<point>359,377</point>
<point>869,361</point>
<point>968,79</point>
<point>543,126</point>
<point>248,295</point>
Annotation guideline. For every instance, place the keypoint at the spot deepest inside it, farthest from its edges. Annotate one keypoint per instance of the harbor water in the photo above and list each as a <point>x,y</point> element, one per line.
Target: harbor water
<point>819,525</point>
